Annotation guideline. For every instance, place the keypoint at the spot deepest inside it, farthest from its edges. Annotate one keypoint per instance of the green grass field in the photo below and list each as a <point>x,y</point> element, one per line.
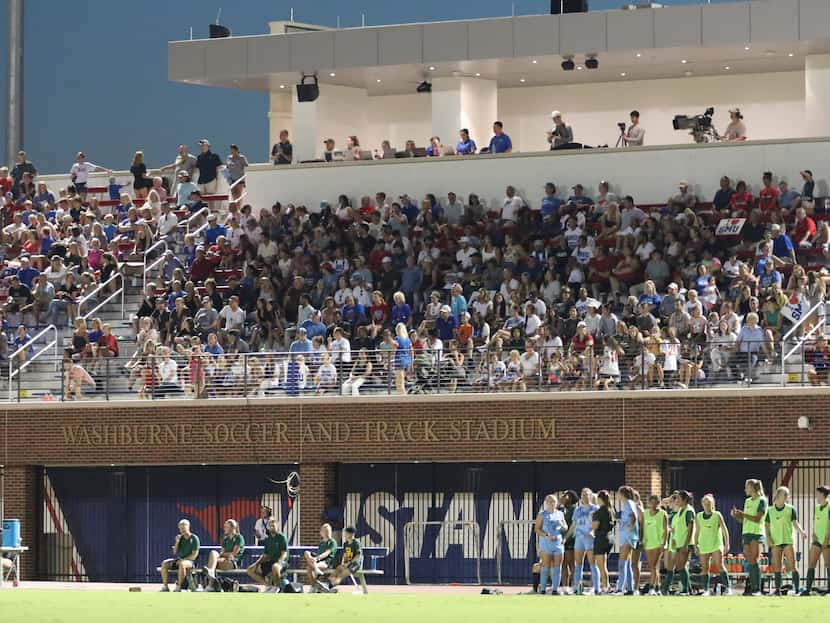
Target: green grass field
<point>33,606</point>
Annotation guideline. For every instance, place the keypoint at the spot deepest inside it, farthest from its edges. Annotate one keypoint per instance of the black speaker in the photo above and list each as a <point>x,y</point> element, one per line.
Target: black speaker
<point>568,6</point>
<point>308,92</point>
<point>218,32</point>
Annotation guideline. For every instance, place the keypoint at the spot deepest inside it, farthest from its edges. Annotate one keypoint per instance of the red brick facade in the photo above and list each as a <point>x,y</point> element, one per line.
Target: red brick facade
<point>641,429</point>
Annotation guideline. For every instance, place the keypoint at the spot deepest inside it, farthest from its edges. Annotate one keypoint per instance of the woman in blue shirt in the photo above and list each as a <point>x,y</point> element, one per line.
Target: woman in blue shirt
<point>583,540</point>
<point>352,315</point>
<point>403,356</point>
<point>401,312</point>
<point>550,528</point>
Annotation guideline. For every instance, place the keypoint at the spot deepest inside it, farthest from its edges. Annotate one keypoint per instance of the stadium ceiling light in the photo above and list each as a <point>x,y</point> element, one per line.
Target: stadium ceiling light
<point>623,74</point>
<point>522,80</point>
<point>579,68</point>
<point>747,48</point>
<point>432,67</point>
<point>790,54</point>
<point>638,55</point>
<point>332,74</point>
<point>688,73</point>
<point>534,61</point>
<point>282,86</point>
<point>478,75</point>
<point>684,61</point>
<point>378,80</point>
<point>727,68</point>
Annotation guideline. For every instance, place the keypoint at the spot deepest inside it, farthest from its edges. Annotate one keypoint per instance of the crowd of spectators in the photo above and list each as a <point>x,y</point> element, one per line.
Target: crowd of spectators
<point>561,290</point>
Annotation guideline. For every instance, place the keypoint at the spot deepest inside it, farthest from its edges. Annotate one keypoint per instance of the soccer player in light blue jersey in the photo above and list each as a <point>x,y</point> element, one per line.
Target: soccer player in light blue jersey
<point>629,539</point>
<point>580,529</point>
<point>550,528</point>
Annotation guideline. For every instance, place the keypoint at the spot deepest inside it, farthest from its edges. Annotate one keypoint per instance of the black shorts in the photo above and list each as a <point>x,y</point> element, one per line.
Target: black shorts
<point>265,568</point>
<point>354,566</point>
<point>80,187</point>
<point>602,546</point>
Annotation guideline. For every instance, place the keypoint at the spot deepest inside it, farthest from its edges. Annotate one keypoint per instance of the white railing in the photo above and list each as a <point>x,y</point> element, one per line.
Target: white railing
<point>93,296</point>
<point>193,217</point>
<point>155,263</point>
<point>800,340</point>
<point>13,357</point>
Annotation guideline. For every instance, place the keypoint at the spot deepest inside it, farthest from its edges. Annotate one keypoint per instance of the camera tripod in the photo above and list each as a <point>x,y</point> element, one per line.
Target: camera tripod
<point>621,140</point>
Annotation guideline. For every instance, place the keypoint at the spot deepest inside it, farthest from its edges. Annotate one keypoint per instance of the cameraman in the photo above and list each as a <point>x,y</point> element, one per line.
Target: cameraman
<point>561,134</point>
<point>635,135</point>
<point>736,130</point>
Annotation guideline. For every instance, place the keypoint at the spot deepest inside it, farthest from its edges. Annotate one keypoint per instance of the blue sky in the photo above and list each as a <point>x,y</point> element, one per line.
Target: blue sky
<point>96,71</point>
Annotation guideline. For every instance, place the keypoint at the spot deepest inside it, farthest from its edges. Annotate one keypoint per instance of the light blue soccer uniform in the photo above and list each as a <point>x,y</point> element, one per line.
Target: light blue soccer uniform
<point>552,524</point>
<point>629,524</point>
<point>583,540</point>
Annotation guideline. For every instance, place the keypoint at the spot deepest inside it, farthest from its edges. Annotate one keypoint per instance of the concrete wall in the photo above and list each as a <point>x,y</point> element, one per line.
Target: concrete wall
<point>649,174</point>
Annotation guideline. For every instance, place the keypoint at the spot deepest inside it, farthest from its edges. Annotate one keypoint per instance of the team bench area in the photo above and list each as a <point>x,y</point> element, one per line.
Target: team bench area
<point>296,566</point>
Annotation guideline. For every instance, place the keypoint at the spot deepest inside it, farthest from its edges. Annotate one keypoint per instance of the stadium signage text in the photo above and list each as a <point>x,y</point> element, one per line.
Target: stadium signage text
<point>279,432</point>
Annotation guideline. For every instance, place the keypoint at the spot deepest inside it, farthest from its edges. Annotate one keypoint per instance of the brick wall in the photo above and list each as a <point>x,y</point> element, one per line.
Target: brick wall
<point>641,429</point>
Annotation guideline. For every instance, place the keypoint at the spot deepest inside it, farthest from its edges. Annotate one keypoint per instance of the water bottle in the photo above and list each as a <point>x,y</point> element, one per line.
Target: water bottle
<point>579,588</point>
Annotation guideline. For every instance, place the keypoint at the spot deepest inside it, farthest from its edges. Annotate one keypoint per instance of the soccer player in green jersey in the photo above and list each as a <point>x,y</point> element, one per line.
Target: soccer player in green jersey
<point>186,550</point>
<point>655,532</point>
<point>317,563</point>
<point>233,546</point>
<point>779,523</point>
<point>711,541</point>
<point>820,545</point>
<point>680,542</point>
<point>352,560</point>
<point>752,532</point>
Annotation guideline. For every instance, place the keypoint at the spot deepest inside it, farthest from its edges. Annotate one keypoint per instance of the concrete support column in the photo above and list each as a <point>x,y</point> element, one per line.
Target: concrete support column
<point>817,94</point>
<point>645,476</point>
<point>339,112</point>
<point>470,103</point>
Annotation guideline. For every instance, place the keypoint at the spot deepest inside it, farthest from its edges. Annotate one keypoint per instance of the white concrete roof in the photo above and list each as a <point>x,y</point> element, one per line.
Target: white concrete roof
<point>524,50</point>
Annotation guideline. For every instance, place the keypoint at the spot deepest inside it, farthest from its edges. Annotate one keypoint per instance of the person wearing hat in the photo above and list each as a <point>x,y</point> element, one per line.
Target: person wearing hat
<point>184,188</point>
<point>209,164</point>
<point>736,130</point>
<point>561,134</point>
<point>446,324</point>
<point>580,199</point>
<point>683,197</point>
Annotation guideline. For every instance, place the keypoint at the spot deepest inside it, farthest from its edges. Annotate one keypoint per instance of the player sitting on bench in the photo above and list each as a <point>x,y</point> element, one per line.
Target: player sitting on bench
<point>318,563</point>
<point>233,546</point>
<point>186,550</point>
<point>273,561</point>
<point>352,562</point>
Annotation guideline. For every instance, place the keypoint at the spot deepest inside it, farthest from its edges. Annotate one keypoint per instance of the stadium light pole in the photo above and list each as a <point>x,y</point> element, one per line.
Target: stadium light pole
<point>14,111</point>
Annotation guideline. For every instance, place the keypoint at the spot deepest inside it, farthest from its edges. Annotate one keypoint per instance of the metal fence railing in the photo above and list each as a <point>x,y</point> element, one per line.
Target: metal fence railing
<point>89,373</point>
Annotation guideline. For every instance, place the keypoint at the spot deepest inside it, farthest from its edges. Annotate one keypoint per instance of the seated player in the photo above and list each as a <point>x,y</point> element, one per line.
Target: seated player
<point>233,546</point>
<point>273,561</point>
<point>185,550</point>
<point>318,563</point>
<point>352,561</point>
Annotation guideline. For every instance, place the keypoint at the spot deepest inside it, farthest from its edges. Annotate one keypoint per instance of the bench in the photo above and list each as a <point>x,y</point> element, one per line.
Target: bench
<point>296,566</point>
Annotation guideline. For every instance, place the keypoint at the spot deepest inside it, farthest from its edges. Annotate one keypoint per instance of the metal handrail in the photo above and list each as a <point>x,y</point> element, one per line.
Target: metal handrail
<point>500,541</point>
<point>146,269</point>
<point>241,179</point>
<point>409,527</point>
<point>193,217</point>
<point>801,321</point>
<point>53,344</point>
<point>106,300</point>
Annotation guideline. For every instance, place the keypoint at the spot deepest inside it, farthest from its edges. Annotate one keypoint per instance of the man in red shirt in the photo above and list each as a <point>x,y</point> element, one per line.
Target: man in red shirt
<point>768,195</point>
<point>805,229</point>
<point>366,208</point>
